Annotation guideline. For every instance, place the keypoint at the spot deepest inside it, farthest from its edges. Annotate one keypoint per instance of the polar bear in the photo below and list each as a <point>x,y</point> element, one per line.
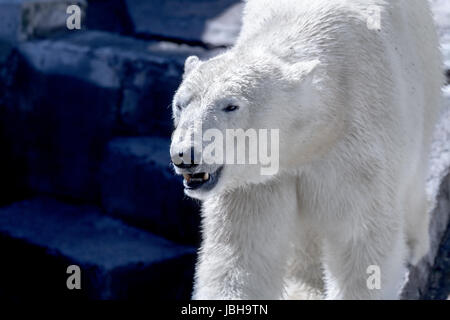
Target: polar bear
<point>353,86</point>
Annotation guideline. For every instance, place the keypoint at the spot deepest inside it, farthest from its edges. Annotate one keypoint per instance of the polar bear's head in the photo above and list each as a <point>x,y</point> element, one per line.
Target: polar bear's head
<point>252,95</point>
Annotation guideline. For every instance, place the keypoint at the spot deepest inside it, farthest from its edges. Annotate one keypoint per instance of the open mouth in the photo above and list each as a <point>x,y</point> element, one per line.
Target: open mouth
<point>204,180</point>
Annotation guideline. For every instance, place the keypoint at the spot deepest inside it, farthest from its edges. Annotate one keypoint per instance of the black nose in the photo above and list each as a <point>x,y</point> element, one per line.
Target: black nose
<point>183,163</point>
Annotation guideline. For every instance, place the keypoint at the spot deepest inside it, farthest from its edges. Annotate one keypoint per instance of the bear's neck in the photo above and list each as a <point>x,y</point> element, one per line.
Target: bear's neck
<point>236,224</point>
<point>241,209</point>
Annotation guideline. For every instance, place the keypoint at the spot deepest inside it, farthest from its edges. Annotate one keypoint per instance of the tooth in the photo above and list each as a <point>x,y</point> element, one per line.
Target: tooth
<point>206,176</point>
<point>187,177</point>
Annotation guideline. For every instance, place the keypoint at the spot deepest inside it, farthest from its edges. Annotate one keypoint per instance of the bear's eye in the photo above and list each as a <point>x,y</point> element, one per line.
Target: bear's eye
<point>179,107</point>
<point>231,108</point>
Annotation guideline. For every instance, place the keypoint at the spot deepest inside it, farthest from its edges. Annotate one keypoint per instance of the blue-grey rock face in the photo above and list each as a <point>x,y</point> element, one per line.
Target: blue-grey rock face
<point>215,23</point>
<point>62,110</point>
<point>22,20</point>
<point>65,98</point>
<point>108,15</point>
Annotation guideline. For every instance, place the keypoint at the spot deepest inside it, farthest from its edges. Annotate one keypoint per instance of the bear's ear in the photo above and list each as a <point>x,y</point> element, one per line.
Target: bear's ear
<point>190,64</point>
<point>298,72</point>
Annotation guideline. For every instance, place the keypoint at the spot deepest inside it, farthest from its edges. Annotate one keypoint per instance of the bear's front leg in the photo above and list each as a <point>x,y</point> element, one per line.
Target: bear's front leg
<point>364,253</point>
<point>246,235</point>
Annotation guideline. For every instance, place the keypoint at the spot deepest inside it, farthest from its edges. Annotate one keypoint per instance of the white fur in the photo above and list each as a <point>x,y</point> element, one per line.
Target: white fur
<point>356,109</point>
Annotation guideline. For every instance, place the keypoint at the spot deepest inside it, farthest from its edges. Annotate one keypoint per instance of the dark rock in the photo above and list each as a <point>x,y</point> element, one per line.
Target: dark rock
<point>65,98</point>
<point>11,171</point>
<point>422,278</point>
<point>439,278</point>
<point>149,83</point>
<point>40,238</point>
<point>60,109</point>
<point>108,15</point>
<point>430,278</point>
<point>139,186</point>
<point>215,23</point>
